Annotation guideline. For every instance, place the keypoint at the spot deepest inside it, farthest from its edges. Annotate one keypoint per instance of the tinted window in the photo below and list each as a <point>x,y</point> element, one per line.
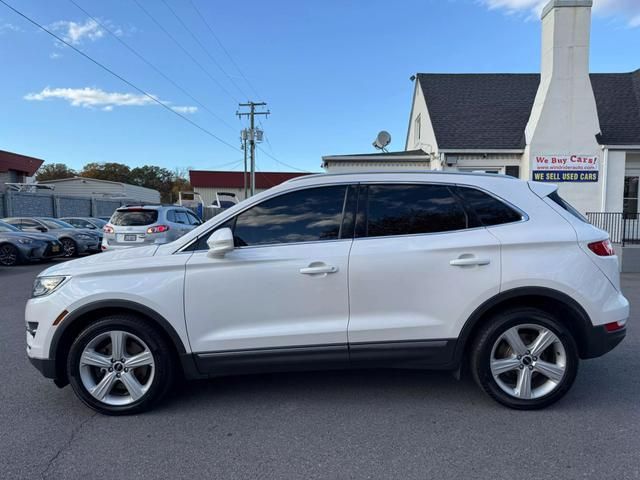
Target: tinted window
<point>54,223</point>
<point>412,209</point>
<point>193,220</point>
<point>28,223</point>
<point>567,206</point>
<point>488,209</point>
<point>303,216</point>
<point>171,216</point>
<point>132,218</point>
<point>6,227</point>
<point>181,217</point>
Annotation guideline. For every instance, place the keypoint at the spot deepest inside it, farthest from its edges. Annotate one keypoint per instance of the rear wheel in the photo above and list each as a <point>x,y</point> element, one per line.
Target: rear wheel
<point>8,255</point>
<point>69,248</point>
<point>525,359</point>
<point>120,365</point>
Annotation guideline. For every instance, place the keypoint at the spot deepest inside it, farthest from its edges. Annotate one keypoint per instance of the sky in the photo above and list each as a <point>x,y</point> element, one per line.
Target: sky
<point>334,73</point>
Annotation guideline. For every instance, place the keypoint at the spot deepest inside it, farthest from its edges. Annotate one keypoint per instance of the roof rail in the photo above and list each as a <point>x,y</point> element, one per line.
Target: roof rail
<point>396,172</point>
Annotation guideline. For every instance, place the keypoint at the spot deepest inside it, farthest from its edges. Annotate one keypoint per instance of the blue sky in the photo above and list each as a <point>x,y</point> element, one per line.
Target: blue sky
<point>334,72</point>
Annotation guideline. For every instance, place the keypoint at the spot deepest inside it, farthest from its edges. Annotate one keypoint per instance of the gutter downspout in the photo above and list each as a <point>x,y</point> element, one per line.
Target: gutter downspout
<point>605,168</point>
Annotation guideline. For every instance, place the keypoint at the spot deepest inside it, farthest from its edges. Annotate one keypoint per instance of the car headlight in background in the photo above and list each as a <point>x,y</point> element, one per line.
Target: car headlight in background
<point>45,285</point>
<point>25,241</point>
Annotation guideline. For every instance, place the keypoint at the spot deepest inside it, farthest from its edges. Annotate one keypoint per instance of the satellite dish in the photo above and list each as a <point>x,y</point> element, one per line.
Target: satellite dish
<point>382,140</point>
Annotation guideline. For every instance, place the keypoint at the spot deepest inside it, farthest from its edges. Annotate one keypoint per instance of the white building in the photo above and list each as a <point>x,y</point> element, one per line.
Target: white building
<point>563,125</point>
<point>105,189</point>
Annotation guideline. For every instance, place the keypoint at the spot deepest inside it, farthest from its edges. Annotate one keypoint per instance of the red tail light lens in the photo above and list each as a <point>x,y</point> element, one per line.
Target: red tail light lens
<point>107,229</point>
<point>613,326</point>
<point>158,229</point>
<point>602,248</point>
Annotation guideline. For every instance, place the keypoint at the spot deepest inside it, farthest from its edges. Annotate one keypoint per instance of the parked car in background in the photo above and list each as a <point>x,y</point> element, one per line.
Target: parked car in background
<point>74,241</point>
<point>92,223</point>
<point>17,246</point>
<point>137,225</point>
<point>394,270</point>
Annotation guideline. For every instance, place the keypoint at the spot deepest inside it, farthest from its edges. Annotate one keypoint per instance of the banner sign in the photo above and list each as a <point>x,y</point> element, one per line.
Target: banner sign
<point>566,168</point>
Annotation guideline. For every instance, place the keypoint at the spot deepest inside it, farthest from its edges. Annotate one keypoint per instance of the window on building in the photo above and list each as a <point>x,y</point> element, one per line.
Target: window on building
<point>418,129</point>
<point>630,197</point>
<point>412,209</point>
<point>512,171</point>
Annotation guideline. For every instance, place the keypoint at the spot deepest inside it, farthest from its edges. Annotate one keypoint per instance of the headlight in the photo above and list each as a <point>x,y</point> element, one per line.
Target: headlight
<point>25,241</point>
<point>46,285</point>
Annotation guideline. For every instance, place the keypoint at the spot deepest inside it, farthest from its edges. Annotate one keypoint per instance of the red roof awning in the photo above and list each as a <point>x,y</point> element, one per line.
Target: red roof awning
<point>209,179</point>
<point>19,163</point>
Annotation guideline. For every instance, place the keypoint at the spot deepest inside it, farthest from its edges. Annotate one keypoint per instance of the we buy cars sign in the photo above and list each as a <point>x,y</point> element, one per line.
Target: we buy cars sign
<point>566,168</point>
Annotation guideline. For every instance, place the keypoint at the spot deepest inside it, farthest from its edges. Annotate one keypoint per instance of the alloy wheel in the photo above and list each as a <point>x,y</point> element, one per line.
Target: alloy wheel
<point>68,247</point>
<point>8,255</point>
<point>117,368</point>
<point>528,361</point>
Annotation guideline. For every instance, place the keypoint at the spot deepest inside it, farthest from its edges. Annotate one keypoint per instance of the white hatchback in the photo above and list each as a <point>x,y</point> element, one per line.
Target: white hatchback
<point>393,270</point>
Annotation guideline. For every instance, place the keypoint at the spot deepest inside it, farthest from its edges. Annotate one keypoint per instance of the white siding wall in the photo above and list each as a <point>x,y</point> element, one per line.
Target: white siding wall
<point>427,140</point>
<point>615,180</point>
<point>369,165</point>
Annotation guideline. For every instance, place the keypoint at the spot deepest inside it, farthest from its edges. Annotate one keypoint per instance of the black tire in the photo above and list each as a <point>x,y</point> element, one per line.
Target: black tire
<point>482,350</point>
<point>163,358</point>
<point>9,255</point>
<point>69,248</point>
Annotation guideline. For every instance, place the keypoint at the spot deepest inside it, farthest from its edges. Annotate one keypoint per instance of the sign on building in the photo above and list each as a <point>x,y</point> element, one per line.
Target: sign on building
<point>566,168</point>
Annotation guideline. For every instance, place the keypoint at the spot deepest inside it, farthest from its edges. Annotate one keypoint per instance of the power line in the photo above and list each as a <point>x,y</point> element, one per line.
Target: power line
<point>156,69</point>
<point>204,49</point>
<point>107,69</point>
<point>186,52</point>
<point>281,162</point>
<point>213,33</point>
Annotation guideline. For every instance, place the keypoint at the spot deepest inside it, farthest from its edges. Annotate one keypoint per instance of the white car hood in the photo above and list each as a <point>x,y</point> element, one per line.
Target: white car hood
<point>102,261</point>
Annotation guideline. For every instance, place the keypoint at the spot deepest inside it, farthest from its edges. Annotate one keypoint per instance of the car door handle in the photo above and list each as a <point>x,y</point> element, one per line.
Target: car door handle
<point>318,269</point>
<point>465,262</point>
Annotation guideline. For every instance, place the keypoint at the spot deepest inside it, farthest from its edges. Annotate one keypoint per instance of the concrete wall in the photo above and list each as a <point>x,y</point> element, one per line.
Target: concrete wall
<point>22,204</point>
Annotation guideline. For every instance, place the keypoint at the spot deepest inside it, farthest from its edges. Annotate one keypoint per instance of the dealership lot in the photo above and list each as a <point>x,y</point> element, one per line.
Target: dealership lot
<point>358,424</point>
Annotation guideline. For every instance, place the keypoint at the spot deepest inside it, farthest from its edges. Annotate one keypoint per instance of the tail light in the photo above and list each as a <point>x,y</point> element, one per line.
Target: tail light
<point>602,248</point>
<point>613,326</point>
<point>158,229</point>
<point>107,229</point>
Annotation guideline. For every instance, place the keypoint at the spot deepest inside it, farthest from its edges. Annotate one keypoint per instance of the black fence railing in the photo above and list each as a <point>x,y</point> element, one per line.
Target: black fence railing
<point>623,228</point>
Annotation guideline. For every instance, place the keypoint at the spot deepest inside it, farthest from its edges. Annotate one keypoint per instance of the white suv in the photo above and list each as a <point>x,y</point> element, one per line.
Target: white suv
<point>402,270</point>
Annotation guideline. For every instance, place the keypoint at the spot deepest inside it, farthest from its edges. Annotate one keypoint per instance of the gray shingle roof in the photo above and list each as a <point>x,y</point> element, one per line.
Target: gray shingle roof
<point>490,111</point>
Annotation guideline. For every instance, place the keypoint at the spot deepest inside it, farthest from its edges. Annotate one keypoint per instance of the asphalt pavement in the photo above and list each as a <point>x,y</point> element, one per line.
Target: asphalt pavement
<point>350,424</point>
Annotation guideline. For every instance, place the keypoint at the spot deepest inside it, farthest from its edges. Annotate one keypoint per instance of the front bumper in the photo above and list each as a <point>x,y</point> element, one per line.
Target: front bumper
<point>88,246</point>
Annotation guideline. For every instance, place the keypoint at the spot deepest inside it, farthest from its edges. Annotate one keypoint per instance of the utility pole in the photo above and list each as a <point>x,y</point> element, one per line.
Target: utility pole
<point>243,136</point>
<point>253,135</point>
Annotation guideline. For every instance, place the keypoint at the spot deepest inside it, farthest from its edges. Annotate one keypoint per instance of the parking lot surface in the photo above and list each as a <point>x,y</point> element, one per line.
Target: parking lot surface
<point>350,424</point>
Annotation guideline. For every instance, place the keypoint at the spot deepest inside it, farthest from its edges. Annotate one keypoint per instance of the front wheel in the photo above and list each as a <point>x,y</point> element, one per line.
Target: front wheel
<point>69,248</point>
<point>120,365</point>
<point>8,255</point>
<point>525,359</point>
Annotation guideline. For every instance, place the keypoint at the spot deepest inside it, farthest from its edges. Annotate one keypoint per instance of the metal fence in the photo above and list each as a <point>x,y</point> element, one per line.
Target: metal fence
<point>623,228</point>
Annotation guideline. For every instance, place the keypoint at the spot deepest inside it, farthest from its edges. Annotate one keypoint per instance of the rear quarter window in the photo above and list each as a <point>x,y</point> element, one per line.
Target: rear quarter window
<point>133,218</point>
<point>489,210</point>
<point>556,198</point>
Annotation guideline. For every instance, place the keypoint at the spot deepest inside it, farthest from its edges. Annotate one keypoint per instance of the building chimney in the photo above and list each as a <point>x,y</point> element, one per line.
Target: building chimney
<point>564,117</point>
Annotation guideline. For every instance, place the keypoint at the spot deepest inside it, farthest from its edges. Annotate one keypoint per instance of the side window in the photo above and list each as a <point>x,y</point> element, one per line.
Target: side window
<point>171,216</point>
<point>489,210</point>
<point>411,209</point>
<point>181,217</point>
<point>309,215</point>
<point>193,220</point>
<point>30,225</point>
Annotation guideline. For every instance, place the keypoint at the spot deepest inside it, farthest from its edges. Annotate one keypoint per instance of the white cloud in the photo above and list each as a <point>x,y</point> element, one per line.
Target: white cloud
<point>55,55</point>
<point>89,97</point>
<point>185,109</point>
<point>629,10</point>
<point>9,27</point>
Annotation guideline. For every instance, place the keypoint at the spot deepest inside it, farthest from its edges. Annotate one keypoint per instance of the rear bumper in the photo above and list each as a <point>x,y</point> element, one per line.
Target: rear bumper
<point>599,341</point>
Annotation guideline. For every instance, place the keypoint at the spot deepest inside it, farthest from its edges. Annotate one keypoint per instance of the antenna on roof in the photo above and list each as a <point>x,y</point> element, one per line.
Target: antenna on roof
<point>382,140</point>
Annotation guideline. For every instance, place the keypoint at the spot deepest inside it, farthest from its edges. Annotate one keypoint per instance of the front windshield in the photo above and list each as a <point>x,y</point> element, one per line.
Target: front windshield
<point>54,223</point>
<point>5,227</point>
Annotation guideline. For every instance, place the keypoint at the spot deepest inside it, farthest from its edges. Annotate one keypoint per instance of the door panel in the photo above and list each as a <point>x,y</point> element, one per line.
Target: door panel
<point>420,287</point>
<point>262,297</point>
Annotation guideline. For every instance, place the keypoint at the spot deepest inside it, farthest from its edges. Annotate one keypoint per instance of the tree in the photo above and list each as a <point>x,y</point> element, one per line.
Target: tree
<point>54,171</point>
<point>115,172</point>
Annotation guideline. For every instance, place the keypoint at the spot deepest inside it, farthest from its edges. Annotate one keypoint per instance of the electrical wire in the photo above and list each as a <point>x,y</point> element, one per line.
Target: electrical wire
<point>217,39</point>
<point>121,78</point>
<point>186,52</point>
<point>204,49</point>
<point>156,69</point>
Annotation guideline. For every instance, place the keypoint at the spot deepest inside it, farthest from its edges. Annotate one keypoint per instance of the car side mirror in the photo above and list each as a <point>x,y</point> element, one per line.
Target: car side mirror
<point>220,243</point>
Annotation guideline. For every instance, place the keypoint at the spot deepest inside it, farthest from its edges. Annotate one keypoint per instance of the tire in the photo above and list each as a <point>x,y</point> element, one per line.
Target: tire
<point>69,248</point>
<point>114,392</point>
<point>536,372</point>
<point>8,255</point>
